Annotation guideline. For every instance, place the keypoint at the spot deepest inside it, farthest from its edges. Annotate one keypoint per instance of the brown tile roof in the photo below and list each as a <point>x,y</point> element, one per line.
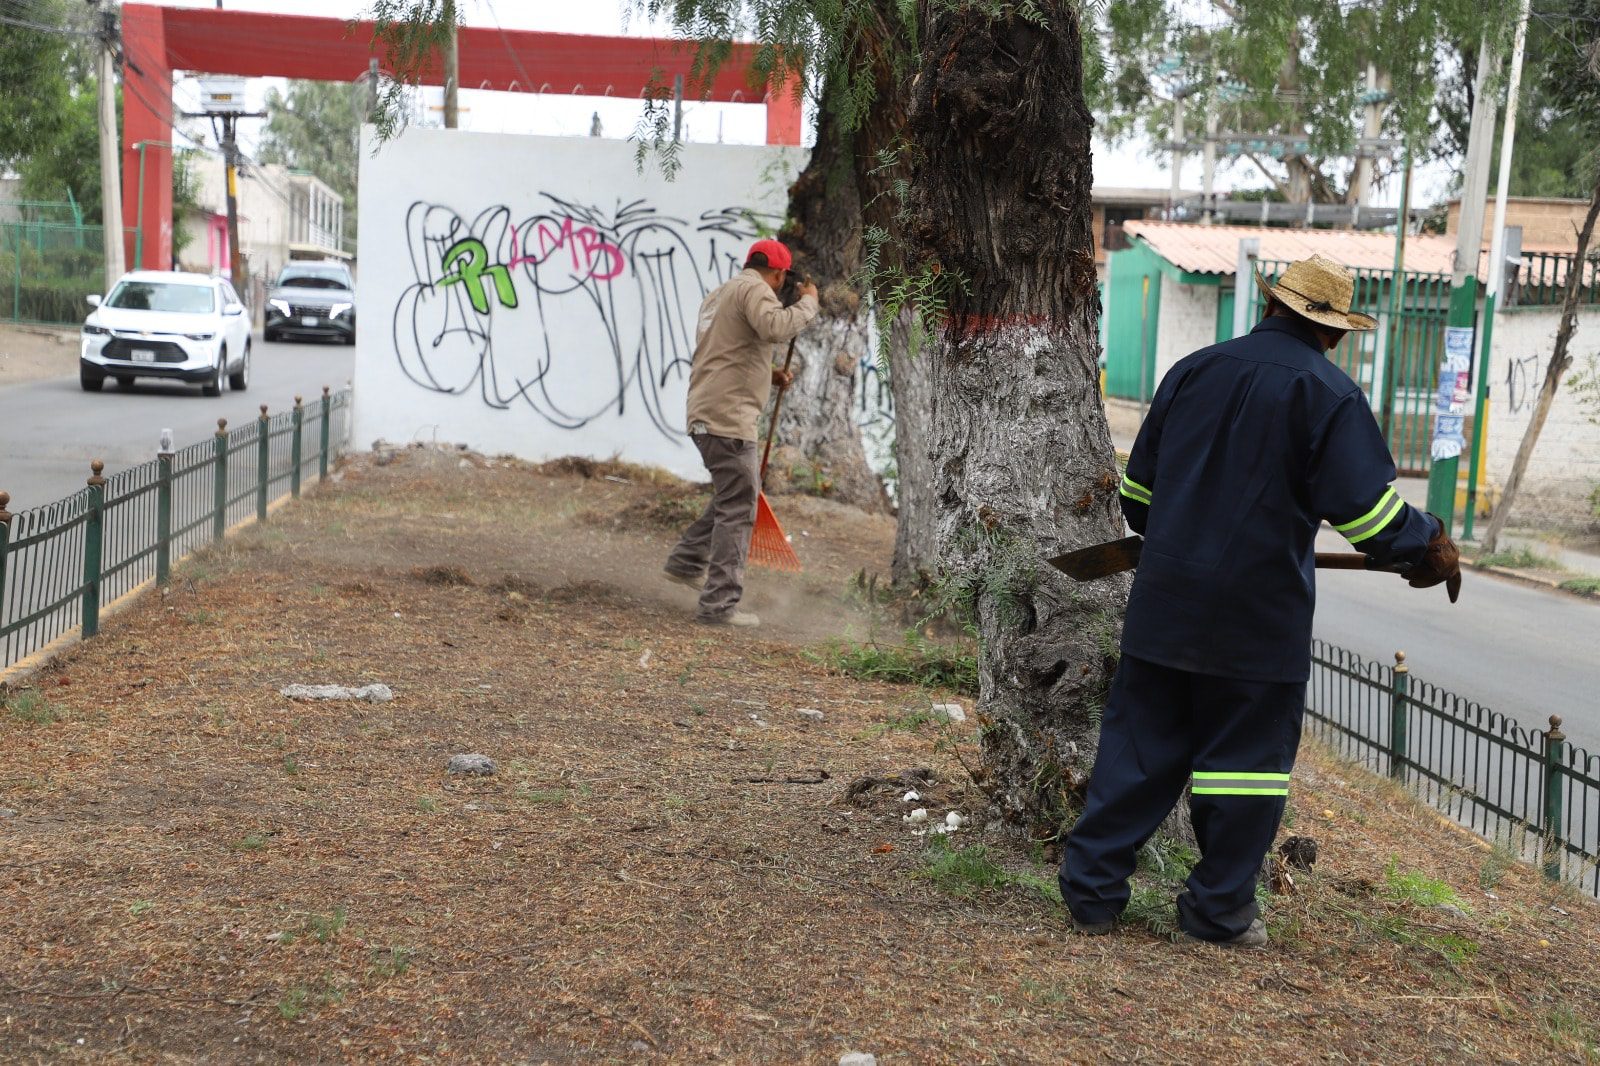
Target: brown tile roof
<point>1215,249</point>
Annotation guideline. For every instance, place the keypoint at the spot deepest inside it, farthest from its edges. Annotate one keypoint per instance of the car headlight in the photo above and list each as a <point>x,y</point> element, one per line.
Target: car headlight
<point>199,336</point>
<point>96,331</point>
<point>338,309</point>
<point>280,306</point>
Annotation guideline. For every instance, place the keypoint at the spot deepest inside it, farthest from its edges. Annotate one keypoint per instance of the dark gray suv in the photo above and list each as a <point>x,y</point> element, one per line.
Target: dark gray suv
<point>312,300</point>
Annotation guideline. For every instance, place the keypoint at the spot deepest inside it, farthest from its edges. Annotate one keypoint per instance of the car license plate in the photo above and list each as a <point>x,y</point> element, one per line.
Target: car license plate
<point>309,320</point>
<point>144,355</point>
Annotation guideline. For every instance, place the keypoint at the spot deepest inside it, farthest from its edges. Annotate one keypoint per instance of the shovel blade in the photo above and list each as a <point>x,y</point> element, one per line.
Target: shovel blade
<point>1100,560</point>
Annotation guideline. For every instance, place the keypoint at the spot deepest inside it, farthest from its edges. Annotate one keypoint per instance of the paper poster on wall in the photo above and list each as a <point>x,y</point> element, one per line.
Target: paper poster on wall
<point>537,295</point>
<point>1450,401</point>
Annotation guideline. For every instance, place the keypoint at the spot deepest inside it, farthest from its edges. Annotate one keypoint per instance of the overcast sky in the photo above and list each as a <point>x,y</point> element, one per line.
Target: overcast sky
<point>1125,165</point>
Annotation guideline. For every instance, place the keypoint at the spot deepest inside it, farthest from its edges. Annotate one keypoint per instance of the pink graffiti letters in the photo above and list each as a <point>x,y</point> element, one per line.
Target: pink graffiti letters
<point>592,255</point>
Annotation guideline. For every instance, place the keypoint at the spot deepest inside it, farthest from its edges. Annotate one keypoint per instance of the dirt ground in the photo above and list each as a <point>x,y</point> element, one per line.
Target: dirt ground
<point>32,353</point>
<point>666,866</point>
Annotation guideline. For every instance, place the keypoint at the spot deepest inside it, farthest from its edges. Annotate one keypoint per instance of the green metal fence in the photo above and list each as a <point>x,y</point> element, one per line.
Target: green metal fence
<point>1526,787</point>
<point>47,268</point>
<point>1396,365</point>
<point>62,562</point>
<point>1539,279</point>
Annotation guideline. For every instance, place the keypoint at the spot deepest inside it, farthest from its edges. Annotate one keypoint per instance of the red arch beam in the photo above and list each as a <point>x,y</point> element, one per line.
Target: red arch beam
<point>159,40</point>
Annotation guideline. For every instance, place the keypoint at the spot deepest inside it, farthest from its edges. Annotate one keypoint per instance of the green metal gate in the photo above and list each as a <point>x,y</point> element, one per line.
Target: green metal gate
<point>1397,364</point>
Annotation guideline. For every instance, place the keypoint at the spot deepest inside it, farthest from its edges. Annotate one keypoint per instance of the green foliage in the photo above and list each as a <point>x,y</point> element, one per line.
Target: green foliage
<point>46,89</point>
<point>1587,586</point>
<point>1416,888</point>
<point>1501,858</point>
<point>317,127</point>
<point>1292,68</point>
<point>1518,559</point>
<point>973,870</point>
<point>391,962</point>
<point>917,660</point>
<point>988,566</point>
<point>30,706</point>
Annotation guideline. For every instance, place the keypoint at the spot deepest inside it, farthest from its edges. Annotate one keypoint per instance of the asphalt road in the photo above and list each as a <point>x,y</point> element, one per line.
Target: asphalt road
<point>1523,651</point>
<point>50,430</point>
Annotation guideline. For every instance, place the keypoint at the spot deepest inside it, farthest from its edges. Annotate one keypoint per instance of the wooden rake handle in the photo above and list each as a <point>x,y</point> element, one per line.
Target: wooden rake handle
<point>777,404</point>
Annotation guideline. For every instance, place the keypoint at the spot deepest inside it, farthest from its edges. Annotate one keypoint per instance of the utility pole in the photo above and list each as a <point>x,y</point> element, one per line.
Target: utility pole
<point>222,99</point>
<point>1370,130</point>
<point>1446,448</point>
<point>1497,270</point>
<point>110,161</point>
<point>372,89</point>
<point>230,159</point>
<point>1177,151</point>
<point>1208,167</point>
<point>452,67</point>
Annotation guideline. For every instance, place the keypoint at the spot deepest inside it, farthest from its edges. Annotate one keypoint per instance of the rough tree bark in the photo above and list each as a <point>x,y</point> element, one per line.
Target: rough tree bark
<point>821,448</point>
<point>1560,363</point>
<point>1023,459</point>
<point>916,545</point>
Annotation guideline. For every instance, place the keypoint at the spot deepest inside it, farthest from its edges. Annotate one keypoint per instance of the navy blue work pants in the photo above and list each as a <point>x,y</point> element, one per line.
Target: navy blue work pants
<point>1162,728</point>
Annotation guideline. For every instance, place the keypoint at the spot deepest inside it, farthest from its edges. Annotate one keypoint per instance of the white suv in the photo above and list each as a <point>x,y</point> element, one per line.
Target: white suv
<point>160,324</point>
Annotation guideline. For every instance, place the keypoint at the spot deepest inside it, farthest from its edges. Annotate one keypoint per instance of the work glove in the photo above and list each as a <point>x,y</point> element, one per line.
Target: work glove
<point>1441,562</point>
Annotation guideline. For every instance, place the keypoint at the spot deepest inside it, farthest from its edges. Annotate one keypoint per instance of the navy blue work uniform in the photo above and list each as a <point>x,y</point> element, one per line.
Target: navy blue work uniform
<point>1248,447</point>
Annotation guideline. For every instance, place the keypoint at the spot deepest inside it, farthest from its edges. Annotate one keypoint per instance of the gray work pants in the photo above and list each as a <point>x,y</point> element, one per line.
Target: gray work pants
<point>718,543</point>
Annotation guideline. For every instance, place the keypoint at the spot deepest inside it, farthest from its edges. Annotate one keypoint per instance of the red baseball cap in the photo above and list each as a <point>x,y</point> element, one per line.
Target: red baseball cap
<point>778,256</point>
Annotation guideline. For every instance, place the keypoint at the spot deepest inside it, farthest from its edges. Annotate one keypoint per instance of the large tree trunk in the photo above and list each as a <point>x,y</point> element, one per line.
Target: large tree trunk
<point>1022,455</point>
<point>1560,363</point>
<point>821,445</point>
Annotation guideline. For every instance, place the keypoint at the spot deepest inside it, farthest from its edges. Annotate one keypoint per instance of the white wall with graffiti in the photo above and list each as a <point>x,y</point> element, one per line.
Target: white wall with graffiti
<point>537,295</point>
<point>1559,491</point>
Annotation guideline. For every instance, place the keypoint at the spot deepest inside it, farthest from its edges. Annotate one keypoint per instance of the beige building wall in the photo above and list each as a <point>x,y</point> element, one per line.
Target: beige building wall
<point>1546,223</point>
<point>1565,469</point>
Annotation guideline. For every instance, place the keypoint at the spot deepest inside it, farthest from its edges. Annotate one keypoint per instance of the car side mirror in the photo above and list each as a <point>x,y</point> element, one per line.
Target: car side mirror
<point>94,301</point>
<point>233,309</point>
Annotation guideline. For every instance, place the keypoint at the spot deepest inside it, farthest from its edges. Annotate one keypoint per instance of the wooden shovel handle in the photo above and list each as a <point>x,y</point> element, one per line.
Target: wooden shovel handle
<point>1352,561</point>
<point>772,429</point>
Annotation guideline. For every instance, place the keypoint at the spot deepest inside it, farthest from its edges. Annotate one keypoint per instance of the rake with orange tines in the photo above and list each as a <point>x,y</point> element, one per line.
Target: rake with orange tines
<point>769,546</point>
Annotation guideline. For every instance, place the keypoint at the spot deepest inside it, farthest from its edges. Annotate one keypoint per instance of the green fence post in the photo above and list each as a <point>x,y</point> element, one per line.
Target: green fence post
<point>1554,750</point>
<point>322,459</point>
<point>1398,717</point>
<point>219,516</point>
<point>5,541</point>
<point>93,545</point>
<point>164,515</point>
<point>295,448</point>
<point>263,463</point>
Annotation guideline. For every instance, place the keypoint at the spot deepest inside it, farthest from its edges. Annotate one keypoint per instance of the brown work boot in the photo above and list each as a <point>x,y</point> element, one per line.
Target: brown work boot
<point>1253,937</point>
<point>687,581</point>
<point>737,619</point>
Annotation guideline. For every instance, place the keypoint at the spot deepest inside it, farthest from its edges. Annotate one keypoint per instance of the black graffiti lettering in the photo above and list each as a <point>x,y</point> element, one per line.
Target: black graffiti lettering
<point>599,313</point>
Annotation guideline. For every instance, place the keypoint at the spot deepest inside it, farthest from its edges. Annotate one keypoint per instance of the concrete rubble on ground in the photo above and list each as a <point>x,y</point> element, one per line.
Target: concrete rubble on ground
<point>809,712</point>
<point>477,765</point>
<point>858,1058</point>
<point>369,693</point>
<point>949,712</point>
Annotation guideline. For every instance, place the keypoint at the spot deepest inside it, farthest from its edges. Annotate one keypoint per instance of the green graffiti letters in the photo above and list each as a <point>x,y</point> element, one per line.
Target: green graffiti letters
<point>470,260</point>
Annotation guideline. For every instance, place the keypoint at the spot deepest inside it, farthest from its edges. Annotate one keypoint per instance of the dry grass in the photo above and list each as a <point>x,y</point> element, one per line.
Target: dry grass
<point>665,866</point>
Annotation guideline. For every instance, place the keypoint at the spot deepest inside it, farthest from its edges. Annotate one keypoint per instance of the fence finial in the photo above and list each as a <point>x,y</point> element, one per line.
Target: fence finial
<point>298,402</point>
<point>263,412</point>
<point>97,468</point>
<point>325,391</point>
<point>5,515</point>
<point>1400,666</point>
<point>222,427</point>
<point>1555,732</point>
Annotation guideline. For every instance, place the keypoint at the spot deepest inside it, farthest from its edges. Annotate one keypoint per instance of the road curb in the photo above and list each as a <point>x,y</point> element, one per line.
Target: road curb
<point>1535,582</point>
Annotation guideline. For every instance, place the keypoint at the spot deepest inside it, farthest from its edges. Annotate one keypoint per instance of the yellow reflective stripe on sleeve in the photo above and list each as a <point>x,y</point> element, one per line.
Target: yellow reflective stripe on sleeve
<point>1134,491</point>
<point>1239,783</point>
<point>1383,512</point>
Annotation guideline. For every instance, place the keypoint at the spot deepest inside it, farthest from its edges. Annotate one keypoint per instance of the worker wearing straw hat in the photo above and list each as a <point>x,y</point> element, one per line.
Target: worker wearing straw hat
<point>730,379</point>
<point>1249,446</point>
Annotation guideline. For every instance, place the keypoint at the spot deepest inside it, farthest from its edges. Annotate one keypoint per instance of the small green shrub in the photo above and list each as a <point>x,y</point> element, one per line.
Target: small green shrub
<point>1418,888</point>
<point>972,871</point>
<point>30,706</point>
<point>915,661</point>
<point>1519,559</point>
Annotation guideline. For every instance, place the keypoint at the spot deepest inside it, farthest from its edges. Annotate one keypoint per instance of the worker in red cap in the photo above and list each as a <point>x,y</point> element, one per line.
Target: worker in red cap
<point>740,324</point>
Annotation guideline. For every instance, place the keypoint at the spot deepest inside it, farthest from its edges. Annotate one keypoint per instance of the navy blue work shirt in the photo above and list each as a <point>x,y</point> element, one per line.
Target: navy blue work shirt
<point>1248,447</point>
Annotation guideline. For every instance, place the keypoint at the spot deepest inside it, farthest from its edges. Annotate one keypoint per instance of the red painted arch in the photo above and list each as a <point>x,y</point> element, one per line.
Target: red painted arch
<point>159,40</point>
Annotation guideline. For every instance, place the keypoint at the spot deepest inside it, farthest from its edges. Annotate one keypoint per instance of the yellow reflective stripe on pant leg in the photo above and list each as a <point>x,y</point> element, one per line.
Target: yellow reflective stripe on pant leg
<point>1239,783</point>
<point>1134,491</point>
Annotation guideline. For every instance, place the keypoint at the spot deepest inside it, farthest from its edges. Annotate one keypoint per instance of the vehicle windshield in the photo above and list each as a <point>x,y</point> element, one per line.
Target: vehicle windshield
<point>163,296</point>
<point>307,280</point>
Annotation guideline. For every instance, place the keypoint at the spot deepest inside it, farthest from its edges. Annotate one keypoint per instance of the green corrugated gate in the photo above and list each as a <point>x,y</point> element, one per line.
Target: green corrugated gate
<point>1397,364</point>
<point>1132,308</point>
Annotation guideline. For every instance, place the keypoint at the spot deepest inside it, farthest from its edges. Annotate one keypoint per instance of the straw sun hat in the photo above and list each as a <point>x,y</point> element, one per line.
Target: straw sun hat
<point>1320,290</point>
